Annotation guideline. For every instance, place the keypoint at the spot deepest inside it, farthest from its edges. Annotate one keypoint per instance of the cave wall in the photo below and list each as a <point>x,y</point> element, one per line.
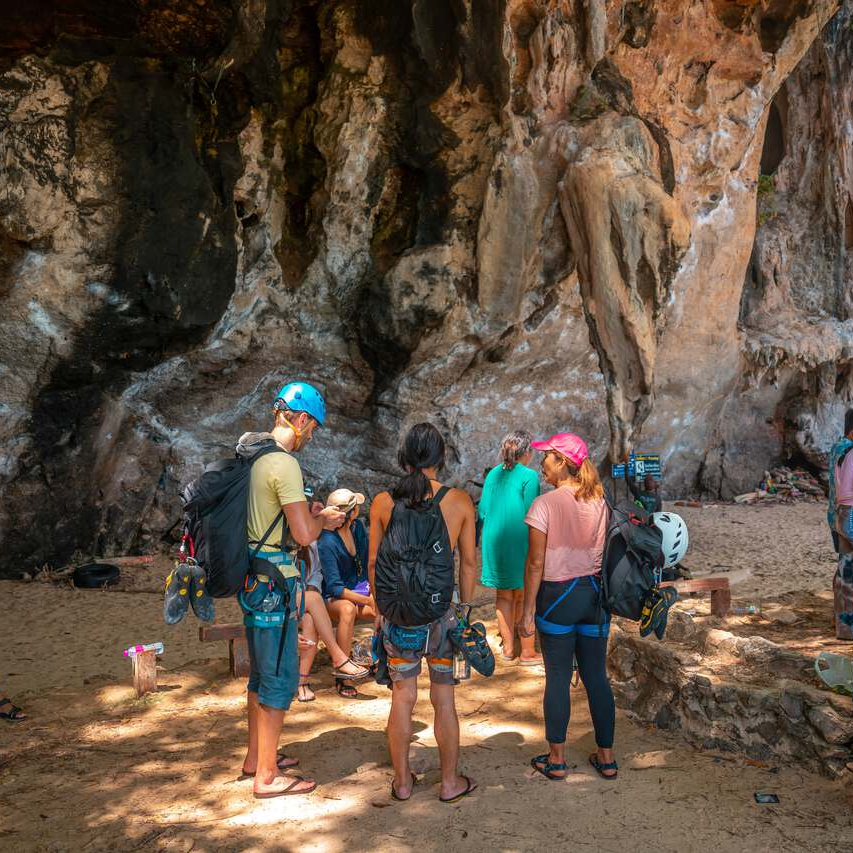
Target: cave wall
<point>488,213</point>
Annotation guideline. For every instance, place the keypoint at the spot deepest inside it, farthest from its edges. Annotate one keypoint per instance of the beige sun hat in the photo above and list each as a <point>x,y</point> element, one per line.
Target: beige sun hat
<point>344,499</point>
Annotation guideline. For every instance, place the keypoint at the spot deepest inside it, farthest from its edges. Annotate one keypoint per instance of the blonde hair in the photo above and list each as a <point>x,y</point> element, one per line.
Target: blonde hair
<point>590,488</point>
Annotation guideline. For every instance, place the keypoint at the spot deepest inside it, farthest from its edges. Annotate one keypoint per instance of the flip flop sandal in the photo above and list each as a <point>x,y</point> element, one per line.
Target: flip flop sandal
<point>285,792</point>
<point>399,799</point>
<point>346,690</point>
<point>283,763</point>
<point>364,676</point>
<point>200,599</point>
<point>471,786</point>
<point>177,602</point>
<point>600,768</point>
<point>530,661</point>
<point>542,765</point>
<point>14,714</point>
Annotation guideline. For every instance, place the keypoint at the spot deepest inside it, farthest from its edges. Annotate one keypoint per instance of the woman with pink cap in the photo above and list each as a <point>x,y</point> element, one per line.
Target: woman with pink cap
<point>562,586</point>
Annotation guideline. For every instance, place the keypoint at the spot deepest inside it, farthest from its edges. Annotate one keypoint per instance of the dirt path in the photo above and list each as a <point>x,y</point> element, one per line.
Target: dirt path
<point>97,770</point>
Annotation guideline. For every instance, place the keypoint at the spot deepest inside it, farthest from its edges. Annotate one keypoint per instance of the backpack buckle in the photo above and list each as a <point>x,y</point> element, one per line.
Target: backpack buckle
<point>435,598</point>
<point>437,547</point>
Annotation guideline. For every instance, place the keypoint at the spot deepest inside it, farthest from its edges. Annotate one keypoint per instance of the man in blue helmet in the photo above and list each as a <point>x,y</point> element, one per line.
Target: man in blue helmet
<point>268,597</point>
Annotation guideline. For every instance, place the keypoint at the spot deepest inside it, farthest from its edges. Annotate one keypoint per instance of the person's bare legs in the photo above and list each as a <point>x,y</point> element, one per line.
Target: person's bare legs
<point>251,763</point>
<point>528,644</point>
<point>268,778</point>
<point>344,613</point>
<point>306,657</point>
<point>443,698</point>
<point>505,609</point>
<point>404,694</point>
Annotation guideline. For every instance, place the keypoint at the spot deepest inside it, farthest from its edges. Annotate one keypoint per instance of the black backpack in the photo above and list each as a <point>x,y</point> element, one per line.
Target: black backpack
<point>216,517</point>
<point>414,565</point>
<point>632,562</point>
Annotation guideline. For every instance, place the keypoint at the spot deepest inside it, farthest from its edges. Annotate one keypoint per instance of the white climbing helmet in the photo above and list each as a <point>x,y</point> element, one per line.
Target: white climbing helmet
<point>674,541</point>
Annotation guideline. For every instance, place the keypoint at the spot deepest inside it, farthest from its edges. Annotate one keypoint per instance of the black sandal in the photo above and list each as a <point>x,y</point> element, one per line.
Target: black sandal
<point>307,685</point>
<point>600,768</point>
<point>470,787</point>
<point>345,690</point>
<point>397,797</point>
<point>364,675</point>
<point>14,714</point>
<point>541,764</point>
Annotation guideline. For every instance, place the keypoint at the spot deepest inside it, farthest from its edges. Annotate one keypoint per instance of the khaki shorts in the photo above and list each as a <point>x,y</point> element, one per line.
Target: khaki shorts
<point>438,651</point>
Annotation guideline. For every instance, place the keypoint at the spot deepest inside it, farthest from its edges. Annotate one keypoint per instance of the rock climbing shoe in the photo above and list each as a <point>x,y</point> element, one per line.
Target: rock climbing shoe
<point>177,599</point>
<point>470,639</point>
<point>656,609</point>
<point>200,599</point>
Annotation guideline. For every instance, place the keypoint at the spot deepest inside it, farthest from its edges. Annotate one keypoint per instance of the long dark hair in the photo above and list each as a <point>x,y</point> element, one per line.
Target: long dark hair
<point>423,447</point>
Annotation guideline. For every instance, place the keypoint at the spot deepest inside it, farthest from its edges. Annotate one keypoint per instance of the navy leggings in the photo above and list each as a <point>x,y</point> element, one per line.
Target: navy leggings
<point>579,608</point>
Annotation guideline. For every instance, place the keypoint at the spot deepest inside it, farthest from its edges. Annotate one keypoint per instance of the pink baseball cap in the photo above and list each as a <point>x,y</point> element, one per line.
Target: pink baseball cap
<point>572,446</point>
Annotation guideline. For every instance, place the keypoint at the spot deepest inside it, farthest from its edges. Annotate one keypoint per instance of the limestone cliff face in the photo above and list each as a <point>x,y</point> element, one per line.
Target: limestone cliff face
<point>487,213</point>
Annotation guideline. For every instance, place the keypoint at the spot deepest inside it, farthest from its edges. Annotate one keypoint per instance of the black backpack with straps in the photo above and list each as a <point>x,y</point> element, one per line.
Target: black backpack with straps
<point>414,565</point>
<point>216,518</point>
<point>632,562</point>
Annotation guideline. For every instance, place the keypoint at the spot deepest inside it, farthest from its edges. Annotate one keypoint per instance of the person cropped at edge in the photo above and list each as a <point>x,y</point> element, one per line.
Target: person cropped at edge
<point>343,558</point>
<point>562,599</point>
<point>841,502</point>
<point>508,491</point>
<point>421,456</point>
<point>276,487</point>
<point>838,452</point>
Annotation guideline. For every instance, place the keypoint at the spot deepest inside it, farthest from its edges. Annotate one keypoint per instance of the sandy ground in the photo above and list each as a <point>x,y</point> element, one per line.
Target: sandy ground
<point>96,769</point>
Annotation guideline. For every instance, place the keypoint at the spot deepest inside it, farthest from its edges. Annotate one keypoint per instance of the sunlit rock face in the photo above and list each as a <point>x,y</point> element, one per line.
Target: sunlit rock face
<point>488,214</point>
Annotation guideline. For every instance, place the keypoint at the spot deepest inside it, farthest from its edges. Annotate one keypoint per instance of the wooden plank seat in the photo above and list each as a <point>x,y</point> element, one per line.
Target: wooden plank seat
<point>238,648</point>
<point>721,596</point>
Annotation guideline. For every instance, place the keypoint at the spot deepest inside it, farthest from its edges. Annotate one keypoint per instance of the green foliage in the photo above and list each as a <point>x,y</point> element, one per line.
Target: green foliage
<point>767,210</point>
<point>766,185</point>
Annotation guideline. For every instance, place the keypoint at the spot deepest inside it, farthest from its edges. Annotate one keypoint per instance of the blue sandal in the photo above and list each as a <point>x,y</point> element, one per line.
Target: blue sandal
<point>600,768</point>
<point>542,765</point>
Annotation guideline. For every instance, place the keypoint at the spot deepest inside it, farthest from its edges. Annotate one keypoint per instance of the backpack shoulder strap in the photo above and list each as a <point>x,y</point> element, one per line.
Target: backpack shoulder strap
<point>268,448</point>
<point>439,495</point>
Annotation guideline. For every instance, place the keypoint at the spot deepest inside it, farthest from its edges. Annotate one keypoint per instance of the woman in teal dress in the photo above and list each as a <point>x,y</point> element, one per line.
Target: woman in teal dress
<point>508,491</point>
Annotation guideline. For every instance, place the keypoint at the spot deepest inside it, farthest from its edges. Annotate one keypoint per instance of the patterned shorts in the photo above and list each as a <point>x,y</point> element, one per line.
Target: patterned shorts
<point>437,649</point>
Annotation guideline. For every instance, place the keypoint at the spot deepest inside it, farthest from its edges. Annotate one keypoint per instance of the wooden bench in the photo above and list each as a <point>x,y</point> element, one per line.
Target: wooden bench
<point>721,596</point>
<point>238,648</point>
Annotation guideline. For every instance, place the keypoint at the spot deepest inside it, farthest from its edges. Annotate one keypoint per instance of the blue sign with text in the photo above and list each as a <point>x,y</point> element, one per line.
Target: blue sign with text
<point>638,465</point>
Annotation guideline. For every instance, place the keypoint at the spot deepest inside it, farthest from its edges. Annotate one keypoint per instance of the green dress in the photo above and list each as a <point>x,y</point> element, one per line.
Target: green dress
<point>506,497</point>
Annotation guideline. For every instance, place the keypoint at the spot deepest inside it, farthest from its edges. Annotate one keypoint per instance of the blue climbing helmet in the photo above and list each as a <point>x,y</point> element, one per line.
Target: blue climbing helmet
<point>302,397</point>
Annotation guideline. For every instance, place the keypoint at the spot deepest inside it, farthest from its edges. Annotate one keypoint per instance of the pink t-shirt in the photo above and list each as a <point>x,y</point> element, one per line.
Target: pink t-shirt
<point>575,529</point>
<point>844,481</point>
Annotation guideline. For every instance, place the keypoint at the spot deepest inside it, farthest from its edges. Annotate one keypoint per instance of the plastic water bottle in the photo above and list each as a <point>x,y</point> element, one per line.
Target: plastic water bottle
<point>133,651</point>
<point>749,610</point>
<point>461,667</point>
